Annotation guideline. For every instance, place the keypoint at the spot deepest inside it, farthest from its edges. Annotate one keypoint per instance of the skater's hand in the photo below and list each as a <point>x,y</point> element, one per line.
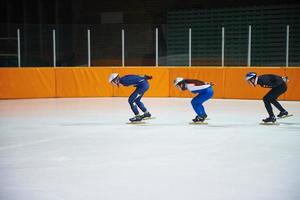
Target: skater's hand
<point>148,77</point>
<point>210,83</point>
<point>285,79</point>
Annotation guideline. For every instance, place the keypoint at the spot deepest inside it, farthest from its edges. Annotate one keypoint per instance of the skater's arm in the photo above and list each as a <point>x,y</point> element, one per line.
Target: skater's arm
<point>147,77</point>
<point>129,80</point>
<point>270,81</point>
<point>193,85</point>
<point>193,81</point>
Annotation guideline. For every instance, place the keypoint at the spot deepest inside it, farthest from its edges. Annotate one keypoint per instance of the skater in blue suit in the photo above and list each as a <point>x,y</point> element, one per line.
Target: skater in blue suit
<point>141,84</point>
<point>203,90</point>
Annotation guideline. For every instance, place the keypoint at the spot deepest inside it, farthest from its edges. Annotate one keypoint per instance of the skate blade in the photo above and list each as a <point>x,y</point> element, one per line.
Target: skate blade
<point>147,118</point>
<point>285,116</point>
<point>137,122</point>
<point>198,123</point>
<point>269,123</point>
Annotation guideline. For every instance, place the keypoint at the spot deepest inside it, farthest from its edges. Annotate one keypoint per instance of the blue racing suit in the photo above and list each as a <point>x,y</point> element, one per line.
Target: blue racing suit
<point>204,92</point>
<point>142,85</point>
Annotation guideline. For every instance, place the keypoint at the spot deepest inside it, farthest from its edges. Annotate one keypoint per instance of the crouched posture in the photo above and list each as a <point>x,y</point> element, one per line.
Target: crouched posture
<point>134,100</point>
<point>278,87</point>
<point>203,90</point>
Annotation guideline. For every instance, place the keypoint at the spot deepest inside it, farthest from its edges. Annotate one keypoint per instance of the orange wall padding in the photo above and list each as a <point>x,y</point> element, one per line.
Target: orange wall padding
<point>27,83</point>
<point>93,81</point>
<point>83,82</point>
<point>293,92</point>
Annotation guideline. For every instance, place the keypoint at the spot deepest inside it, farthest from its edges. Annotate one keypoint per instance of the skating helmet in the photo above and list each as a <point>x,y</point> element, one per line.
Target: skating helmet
<point>112,77</point>
<point>178,80</point>
<point>250,75</point>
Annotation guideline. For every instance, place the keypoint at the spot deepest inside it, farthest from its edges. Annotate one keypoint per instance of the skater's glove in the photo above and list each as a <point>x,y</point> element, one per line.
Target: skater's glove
<point>210,83</point>
<point>285,79</point>
<point>148,77</point>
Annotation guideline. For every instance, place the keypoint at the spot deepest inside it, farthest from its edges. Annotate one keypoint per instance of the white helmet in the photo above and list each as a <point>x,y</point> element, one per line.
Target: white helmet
<point>178,80</point>
<point>112,77</point>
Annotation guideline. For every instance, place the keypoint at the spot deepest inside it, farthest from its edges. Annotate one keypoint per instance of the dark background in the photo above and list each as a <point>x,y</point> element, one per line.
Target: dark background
<point>90,11</point>
<point>36,20</point>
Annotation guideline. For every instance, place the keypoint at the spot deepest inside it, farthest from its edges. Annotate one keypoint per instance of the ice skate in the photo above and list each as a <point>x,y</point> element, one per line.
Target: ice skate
<point>283,114</point>
<point>199,120</point>
<point>147,115</point>
<point>269,121</point>
<point>136,119</point>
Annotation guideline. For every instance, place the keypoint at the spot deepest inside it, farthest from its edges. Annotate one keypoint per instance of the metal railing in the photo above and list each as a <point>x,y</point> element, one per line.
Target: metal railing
<point>136,45</point>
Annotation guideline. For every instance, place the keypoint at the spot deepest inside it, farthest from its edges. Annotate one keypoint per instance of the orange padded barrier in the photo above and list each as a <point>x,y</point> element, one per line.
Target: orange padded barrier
<point>293,92</point>
<point>27,83</point>
<point>92,82</point>
<point>159,85</point>
<point>83,82</point>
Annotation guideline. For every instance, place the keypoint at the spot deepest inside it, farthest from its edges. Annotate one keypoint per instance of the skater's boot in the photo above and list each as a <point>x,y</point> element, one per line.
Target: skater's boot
<point>146,115</point>
<point>204,116</point>
<point>137,118</point>
<point>282,114</point>
<point>198,119</point>
<point>269,119</point>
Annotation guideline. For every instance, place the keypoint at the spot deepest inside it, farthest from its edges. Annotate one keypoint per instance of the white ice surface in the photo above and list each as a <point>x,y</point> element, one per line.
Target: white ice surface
<point>82,149</point>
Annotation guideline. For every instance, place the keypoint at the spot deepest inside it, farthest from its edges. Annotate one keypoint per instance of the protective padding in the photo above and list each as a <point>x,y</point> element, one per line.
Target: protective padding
<point>93,81</point>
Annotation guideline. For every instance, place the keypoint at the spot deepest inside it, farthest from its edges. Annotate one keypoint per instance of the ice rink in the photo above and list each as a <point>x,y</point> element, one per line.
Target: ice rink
<point>82,149</point>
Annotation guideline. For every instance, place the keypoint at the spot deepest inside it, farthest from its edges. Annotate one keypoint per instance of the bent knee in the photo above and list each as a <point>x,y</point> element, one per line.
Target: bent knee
<point>130,100</point>
<point>266,98</point>
<point>194,101</point>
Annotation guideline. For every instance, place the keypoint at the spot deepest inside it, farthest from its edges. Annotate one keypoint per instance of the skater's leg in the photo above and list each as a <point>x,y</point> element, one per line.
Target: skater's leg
<point>131,100</point>
<point>278,105</point>
<point>197,105</point>
<point>271,97</point>
<point>146,114</point>
<point>141,90</point>
<point>267,102</point>
<point>200,99</point>
<point>140,104</point>
<point>206,96</point>
<point>276,93</point>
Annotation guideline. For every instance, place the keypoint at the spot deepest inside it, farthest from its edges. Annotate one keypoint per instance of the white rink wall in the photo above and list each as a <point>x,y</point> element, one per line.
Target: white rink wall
<point>74,149</point>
